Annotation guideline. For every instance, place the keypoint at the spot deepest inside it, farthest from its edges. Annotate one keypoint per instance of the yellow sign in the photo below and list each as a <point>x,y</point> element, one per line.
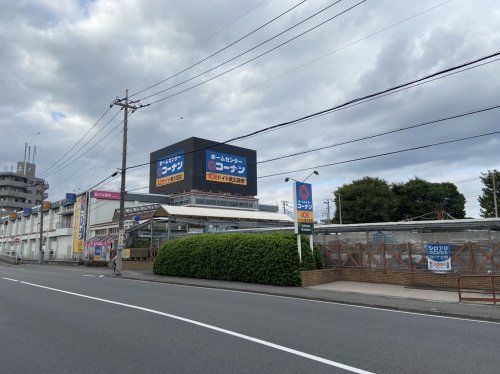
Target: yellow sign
<point>305,216</point>
<point>46,205</point>
<point>222,178</point>
<point>12,215</point>
<point>77,243</point>
<point>126,253</point>
<point>170,179</point>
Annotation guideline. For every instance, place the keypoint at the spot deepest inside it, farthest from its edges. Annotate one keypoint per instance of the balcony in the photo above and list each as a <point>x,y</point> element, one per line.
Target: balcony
<point>8,182</point>
<point>13,193</point>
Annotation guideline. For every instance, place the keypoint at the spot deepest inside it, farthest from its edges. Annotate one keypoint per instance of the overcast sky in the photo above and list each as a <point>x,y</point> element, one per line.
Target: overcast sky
<point>63,62</point>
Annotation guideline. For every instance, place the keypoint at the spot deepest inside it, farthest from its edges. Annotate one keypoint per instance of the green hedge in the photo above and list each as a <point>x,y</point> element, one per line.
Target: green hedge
<point>252,258</point>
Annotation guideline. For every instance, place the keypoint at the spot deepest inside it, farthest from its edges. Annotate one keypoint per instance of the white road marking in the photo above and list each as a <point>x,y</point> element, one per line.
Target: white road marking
<point>88,275</point>
<point>211,327</point>
<point>10,279</point>
<point>318,301</point>
<point>102,275</point>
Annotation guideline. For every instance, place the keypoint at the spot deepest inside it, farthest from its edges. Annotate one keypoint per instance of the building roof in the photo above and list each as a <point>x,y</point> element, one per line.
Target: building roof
<point>188,211</point>
<point>435,225</point>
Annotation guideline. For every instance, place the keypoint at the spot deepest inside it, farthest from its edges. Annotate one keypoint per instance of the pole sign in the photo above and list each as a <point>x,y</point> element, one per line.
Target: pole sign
<point>70,198</point>
<point>303,206</point>
<point>79,224</point>
<point>225,168</point>
<point>438,257</point>
<point>170,169</point>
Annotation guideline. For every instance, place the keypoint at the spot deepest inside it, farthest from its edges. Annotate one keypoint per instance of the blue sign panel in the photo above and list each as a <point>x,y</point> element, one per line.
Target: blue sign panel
<point>226,168</point>
<point>26,212</point>
<point>71,197</point>
<point>170,169</point>
<point>438,257</point>
<point>304,216</point>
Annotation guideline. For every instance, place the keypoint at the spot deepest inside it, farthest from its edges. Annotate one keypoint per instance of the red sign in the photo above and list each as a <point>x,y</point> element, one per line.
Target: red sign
<point>105,195</point>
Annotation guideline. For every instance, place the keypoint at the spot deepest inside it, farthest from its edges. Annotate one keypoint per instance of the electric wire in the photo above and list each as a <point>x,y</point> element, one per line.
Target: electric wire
<point>71,161</point>
<point>400,129</point>
<point>222,49</point>
<point>380,96</point>
<point>245,62</point>
<point>43,132</point>
<point>381,154</point>
<point>201,42</point>
<point>78,142</point>
<point>340,106</point>
<point>304,65</point>
<point>359,139</point>
<point>289,172</point>
<point>378,93</point>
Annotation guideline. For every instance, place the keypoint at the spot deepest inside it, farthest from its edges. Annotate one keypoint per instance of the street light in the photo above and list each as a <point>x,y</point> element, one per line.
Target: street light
<point>288,179</point>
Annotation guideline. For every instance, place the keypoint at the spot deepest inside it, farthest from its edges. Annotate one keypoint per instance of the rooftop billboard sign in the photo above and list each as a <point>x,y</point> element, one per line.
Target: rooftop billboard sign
<point>203,165</point>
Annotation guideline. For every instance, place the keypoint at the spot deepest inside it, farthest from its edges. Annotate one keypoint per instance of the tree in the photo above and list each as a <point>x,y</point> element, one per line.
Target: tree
<point>366,200</point>
<point>486,200</point>
<point>418,197</point>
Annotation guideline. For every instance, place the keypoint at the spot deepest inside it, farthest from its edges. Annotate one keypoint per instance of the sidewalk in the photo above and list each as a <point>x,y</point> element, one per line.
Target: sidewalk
<point>435,302</point>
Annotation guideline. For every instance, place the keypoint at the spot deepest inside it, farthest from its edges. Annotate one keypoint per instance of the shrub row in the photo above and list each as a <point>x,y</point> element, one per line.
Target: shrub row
<point>252,258</point>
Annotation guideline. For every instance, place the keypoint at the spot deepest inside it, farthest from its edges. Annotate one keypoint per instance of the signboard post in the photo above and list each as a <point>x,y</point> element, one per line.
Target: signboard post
<point>438,257</point>
<point>303,207</point>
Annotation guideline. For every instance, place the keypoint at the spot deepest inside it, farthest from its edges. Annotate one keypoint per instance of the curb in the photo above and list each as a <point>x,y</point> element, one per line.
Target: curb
<point>472,317</point>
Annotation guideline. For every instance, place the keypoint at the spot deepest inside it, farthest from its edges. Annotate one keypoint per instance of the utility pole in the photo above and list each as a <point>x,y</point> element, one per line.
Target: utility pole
<point>339,207</point>
<point>493,177</point>
<point>285,203</point>
<point>121,227</point>
<point>40,213</point>
<point>327,202</point>
<point>40,244</point>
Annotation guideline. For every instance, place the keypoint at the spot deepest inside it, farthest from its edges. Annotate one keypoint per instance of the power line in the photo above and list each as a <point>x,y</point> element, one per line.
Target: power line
<point>313,61</point>
<point>383,95</point>
<point>78,142</point>
<point>245,62</point>
<point>203,41</point>
<point>94,156</point>
<point>69,161</point>
<point>364,157</point>
<point>43,132</point>
<point>337,107</point>
<point>381,154</point>
<point>370,95</point>
<point>355,140</point>
<point>422,124</point>
<point>222,49</point>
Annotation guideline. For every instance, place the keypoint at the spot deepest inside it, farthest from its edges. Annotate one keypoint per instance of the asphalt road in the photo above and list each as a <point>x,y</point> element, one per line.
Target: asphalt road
<point>60,320</point>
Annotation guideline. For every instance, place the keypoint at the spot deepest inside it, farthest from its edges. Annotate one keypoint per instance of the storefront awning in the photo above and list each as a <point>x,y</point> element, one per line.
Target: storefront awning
<point>198,212</point>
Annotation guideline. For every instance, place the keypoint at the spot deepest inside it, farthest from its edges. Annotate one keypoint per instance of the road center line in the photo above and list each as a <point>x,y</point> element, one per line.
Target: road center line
<point>210,327</point>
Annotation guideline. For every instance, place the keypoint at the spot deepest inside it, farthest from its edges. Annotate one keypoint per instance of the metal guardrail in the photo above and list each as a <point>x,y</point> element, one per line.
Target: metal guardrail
<point>8,258</point>
<point>493,297</point>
